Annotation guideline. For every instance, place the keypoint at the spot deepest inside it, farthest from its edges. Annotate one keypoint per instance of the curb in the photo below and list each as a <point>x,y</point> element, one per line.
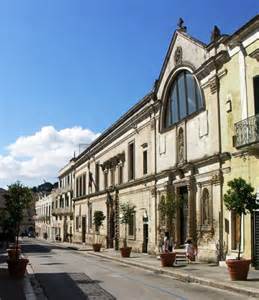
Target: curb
<point>34,290</point>
<point>184,277</point>
<point>27,287</point>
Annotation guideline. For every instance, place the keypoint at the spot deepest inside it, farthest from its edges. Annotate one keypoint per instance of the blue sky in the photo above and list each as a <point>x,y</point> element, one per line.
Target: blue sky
<point>84,63</point>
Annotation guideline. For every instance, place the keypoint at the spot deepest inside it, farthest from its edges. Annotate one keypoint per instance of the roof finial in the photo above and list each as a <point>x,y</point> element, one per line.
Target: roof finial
<point>181,26</point>
<point>215,34</point>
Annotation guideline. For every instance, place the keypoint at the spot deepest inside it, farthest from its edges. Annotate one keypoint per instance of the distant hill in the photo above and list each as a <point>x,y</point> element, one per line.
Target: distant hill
<point>45,187</point>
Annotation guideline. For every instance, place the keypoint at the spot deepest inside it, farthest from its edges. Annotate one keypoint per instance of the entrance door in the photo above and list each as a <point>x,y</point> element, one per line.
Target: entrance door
<point>83,228</point>
<point>110,226</point>
<point>183,214</point>
<point>256,240</point>
<point>145,237</point>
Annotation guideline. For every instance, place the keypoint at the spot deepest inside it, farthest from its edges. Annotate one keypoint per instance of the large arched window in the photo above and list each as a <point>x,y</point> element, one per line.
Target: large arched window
<point>184,98</point>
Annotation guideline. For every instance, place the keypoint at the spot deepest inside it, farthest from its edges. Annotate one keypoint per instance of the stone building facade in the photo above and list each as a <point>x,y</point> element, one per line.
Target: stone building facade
<point>238,91</point>
<point>62,204</point>
<point>177,139</point>
<point>43,217</point>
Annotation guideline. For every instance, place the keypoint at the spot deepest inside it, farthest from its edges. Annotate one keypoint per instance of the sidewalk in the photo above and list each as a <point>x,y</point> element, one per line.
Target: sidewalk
<point>10,289</point>
<point>204,274</point>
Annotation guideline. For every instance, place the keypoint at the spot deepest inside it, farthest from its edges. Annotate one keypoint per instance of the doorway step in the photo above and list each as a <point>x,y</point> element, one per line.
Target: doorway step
<point>180,259</point>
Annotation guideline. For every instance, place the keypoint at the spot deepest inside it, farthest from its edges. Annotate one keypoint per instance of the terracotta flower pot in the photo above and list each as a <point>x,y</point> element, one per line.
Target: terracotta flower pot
<point>14,254</point>
<point>167,259</point>
<point>17,268</point>
<point>238,268</point>
<point>97,247</point>
<point>125,251</point>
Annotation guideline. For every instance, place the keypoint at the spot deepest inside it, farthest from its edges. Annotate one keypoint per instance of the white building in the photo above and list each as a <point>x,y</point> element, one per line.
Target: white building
<point>43,219</point>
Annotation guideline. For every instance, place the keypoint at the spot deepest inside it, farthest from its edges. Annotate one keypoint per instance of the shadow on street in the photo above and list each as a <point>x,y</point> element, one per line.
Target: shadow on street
<point>35,248</point>
<point>74,286</point>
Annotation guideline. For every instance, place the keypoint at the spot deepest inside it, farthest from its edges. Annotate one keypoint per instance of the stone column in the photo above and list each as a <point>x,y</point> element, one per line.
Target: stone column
<point>191,218</point>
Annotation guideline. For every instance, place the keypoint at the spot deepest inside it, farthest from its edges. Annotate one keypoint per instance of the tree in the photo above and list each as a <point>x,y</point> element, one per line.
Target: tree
<point>240,199</point>
<point>99,217</point>
<point>17,199</point>
<point>127,210</point>
<point>167,208</point>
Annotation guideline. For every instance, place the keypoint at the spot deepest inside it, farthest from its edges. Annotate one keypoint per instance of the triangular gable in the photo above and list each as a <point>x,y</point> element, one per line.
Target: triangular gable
<point>192,54</point>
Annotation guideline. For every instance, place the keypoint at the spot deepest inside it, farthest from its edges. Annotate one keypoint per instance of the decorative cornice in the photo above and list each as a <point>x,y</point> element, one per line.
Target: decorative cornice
<point>255,54</point>
<point>117,133</point>
<point>113,161</point>
<point>213,63</point>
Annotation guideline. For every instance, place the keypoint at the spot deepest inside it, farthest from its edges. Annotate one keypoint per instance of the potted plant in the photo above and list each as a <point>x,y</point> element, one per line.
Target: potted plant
<point>240,199</point>
<point>127,210</point>
<point>17,199</point>
<point>167,209</point>
<point>98,222</point>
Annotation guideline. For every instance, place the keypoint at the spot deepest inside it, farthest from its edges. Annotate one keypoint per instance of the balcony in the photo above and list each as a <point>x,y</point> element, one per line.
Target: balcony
<point>247,132</point>
<point>65,189</point>
<point>62,211</point>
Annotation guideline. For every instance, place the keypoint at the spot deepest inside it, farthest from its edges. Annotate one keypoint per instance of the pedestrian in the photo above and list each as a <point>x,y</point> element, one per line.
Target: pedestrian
<point>171,244</point>
<point>166,242</point>
<point>190,251</point>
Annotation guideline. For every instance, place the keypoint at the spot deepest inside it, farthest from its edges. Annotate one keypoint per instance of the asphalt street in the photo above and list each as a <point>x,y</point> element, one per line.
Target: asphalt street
<point>69,274</point>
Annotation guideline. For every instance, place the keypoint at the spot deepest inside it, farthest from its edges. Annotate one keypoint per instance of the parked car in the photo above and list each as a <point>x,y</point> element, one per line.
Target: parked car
<point>31,234</point>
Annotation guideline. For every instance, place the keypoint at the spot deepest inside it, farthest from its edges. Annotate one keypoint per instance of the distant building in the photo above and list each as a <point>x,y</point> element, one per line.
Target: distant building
<point>62,205</point>
<point>43,219</point>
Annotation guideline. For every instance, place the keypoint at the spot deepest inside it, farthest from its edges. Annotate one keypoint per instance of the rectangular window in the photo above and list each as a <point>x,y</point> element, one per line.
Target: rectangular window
<point>105,179</point>
<point>90,182</point>
<point>77,223</point>
<point>112,177</point>
<point>120,174</point>
<point>145,162</point>
<point>97,168</point>
<point>131,225</point>
<point>90,216</point>
<point>81,185</point>
<point>77,188</point>
<point>67,201</point>
<point>84,185</point>
<point>131,162</point>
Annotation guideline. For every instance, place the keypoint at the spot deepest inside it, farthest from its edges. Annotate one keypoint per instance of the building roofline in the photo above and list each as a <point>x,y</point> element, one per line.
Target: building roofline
<point>117,123</point>
<point>245,29</point>
<point>170,48</point>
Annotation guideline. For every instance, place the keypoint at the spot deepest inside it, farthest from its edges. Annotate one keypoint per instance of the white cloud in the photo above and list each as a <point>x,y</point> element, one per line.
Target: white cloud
<point>36,157</point>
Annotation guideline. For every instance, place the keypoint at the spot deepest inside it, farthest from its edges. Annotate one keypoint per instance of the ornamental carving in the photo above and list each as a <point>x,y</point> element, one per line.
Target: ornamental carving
<point>180,146</point>
<point>205,207</point>
<point>178,55</point>
<point>113,161</point>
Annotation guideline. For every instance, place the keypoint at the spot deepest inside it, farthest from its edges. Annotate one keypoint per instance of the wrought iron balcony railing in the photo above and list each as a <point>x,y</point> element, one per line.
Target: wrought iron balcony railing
<point>62,211</point>
<point>247,131</point>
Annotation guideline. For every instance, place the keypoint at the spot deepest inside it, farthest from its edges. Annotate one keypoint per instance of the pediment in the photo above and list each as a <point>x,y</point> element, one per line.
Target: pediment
<point>184,51</point>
